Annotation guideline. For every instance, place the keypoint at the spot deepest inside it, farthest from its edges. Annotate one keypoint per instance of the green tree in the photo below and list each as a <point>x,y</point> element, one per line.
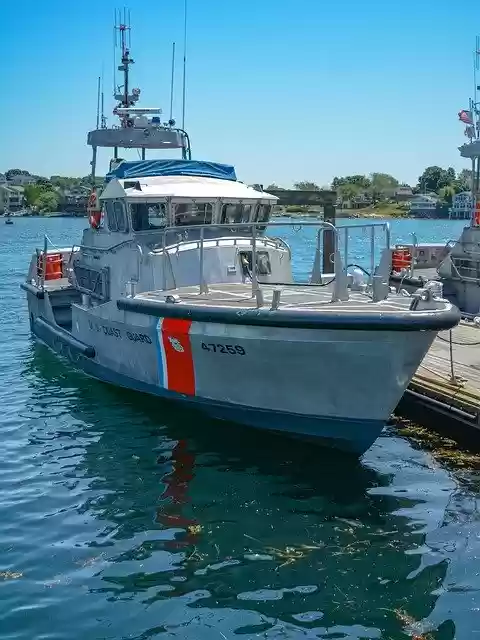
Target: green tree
<point>434,178</point>
<point>274,187</point>
<point>44,184</point>
<point>64,182</point>
<point>463,181</point>
<point>362,182</point>
<point>15,172</point>
<point>305,185</point>
<point>348,191</point>
<point>32,192</point>
<point>47,201</point>
<point>446,194</point>
<point>382,185</point>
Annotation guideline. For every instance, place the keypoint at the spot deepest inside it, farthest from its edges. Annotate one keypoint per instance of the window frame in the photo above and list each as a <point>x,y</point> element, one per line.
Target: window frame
<point>123,213</point>
<point>109,215</point>
<point>148,203</point>
<point>195,203</point>
<point>244,219</point>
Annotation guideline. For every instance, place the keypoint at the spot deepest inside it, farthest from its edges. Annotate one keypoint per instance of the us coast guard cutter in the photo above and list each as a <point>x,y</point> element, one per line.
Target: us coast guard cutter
<point>177,290</point>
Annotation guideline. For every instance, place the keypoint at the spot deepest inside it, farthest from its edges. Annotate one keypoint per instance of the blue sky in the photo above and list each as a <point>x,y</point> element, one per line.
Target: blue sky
<point>285,90</point>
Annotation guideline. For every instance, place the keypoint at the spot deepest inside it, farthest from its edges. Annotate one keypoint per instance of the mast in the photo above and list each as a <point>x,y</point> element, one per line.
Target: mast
<point>140,127</point>
<point>184,63</point>
<point>172,83</point>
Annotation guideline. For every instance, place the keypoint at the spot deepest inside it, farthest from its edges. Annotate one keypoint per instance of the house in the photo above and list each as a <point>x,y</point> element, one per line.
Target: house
<point>423,206</point>
<point>360,201</point>
<point>3,179</point>
<point>462,206</point>
<point>403,193</point>
<point>75,199</point>
<point>21,180</point>
<point>11,198</point>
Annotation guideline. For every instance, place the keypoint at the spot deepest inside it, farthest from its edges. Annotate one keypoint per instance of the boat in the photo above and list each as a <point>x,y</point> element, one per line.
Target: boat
<point>8,221</point>
<point>177,289</point>
<point>458,272</point>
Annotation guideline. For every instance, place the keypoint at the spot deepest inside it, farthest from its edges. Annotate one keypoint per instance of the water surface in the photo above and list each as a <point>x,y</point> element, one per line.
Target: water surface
<point>125,517</point>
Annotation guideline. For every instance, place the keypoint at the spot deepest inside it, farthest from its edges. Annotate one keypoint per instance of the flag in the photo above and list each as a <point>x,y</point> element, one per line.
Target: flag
<point>465,116</point>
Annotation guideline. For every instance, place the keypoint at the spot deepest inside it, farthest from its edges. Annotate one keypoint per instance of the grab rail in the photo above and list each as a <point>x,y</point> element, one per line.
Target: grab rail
<point>372,227</point>
<point>254,226</point>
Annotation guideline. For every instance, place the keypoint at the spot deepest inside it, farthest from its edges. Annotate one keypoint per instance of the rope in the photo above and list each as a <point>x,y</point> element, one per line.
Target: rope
<point>460,344</point>
<point>50,242</point>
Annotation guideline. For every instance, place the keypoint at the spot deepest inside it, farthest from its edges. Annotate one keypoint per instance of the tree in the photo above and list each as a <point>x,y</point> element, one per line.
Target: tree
<point>47,201</point>
<point>32,192</point>
<point>463,181</point>
<point>15,172</point>
<point>360,181</point>
<point>446,194</point>
<point>434,178</point>
<point>348,191</point>
<point>382,185</point>
<point>305,185</point>
<point>274,187</point>
<point>44,183</point>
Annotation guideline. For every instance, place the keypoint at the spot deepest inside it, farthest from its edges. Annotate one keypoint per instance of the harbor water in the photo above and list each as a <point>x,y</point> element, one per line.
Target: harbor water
<point>122,516</point>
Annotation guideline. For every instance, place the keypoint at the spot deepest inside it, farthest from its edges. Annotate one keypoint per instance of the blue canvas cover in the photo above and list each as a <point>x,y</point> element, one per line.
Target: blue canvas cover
<point>150,168</point>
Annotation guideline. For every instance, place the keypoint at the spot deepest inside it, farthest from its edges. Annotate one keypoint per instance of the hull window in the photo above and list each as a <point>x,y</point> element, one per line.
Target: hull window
<point>148,216</point>
<point>191,213</point>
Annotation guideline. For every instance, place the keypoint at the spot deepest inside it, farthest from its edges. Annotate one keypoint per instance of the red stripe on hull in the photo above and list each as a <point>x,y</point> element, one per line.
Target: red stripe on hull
<point>178,355</point>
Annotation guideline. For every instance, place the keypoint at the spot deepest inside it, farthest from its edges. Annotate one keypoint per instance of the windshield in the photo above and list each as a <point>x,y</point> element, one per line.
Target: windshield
<point>146,216</point>
<point>189,213</point>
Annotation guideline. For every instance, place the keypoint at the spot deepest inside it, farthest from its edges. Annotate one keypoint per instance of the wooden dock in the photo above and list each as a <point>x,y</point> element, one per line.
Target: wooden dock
<point>445,391</point>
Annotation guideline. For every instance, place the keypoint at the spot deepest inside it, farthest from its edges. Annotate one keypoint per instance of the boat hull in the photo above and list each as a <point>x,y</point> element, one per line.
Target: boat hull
<point>335,387</point>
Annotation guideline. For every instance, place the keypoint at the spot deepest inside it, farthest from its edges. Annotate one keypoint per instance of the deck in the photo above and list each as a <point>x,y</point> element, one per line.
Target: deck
<point>295,296</point>
<point>448,380</point>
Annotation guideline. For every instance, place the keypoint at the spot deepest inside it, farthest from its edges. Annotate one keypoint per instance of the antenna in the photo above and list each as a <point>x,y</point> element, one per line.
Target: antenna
<point>184,62</point>
<point>172,81</point>
<point>103,120</point>
<point>98,102</point>
<point>114,49</point>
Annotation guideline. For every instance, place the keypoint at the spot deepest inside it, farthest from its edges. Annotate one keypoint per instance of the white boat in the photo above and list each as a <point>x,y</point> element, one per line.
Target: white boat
<point>178,289</point>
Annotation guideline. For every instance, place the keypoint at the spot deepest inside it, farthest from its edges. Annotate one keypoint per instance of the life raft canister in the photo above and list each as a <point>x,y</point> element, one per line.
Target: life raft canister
<point>401,259</point>
<point>94,211</point>
<point>53,263</point>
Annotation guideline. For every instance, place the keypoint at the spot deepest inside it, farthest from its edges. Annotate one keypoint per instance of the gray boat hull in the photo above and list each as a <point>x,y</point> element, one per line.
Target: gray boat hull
<point>337,387</point>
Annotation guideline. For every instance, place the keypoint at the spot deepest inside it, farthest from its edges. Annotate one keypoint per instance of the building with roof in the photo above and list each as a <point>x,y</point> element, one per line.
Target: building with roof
<point>424,206</point>
<point>462,206</point>
<point>11,198</point>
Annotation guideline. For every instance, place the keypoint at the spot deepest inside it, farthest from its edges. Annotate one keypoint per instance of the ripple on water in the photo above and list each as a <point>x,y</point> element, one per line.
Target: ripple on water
<point>122,517</point>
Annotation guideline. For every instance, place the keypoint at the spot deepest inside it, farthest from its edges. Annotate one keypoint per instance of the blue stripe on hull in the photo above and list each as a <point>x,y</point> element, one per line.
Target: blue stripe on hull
<point>352,435</point>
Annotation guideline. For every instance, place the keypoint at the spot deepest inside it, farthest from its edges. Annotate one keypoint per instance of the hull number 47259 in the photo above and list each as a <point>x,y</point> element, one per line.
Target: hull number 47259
<point>233,350</point>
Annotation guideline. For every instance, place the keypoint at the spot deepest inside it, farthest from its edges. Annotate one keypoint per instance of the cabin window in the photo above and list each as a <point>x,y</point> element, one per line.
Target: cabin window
<point>110,216</point>
<point>190,213</point>
<point>263,212</point>
<point>115,215</point>
<point>148,216</point>
<point>120,217</point>
<point>236,213</point>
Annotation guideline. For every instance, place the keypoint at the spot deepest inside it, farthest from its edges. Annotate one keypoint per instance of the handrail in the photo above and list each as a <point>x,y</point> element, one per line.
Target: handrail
<point>107,249</point>
<point>254,227</point>
<point>371,226</point>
